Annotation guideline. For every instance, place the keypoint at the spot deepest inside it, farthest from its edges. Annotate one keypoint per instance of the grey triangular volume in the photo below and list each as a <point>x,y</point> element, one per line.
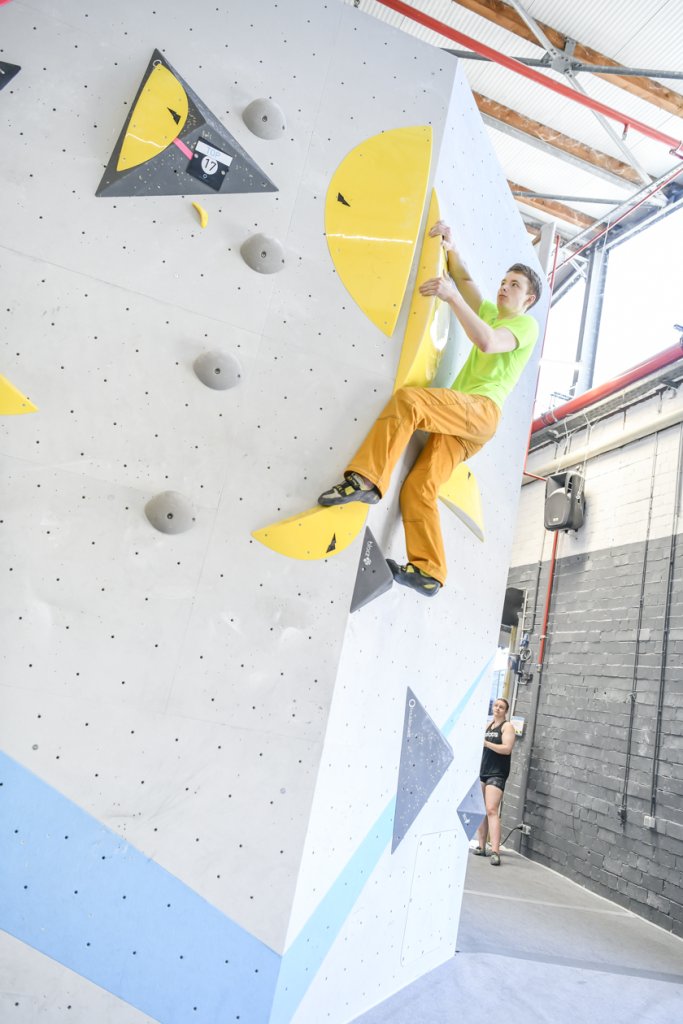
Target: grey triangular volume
<point>471,809</point>
<point>425,756</point>
<point>7,72</point>
<point>166,174</point>
<point>374,575</point>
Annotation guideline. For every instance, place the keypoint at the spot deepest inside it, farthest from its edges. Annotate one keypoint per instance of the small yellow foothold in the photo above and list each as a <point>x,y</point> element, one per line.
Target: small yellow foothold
<point>203,215</point>
<point>12,402</point>
<point>317,533</point>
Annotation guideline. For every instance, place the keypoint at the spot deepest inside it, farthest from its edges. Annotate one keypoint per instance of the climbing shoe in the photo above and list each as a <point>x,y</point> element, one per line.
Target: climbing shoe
<point>350,489</point>
<point>410,576</point>
<point>479,852</point>
<point>495,860</point>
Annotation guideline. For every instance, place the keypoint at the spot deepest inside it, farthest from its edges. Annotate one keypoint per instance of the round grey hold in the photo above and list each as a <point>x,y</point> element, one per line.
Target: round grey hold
<point>263,254</point>
<point>218,370</point>
<point>265,119</point>
<point>170,512</point>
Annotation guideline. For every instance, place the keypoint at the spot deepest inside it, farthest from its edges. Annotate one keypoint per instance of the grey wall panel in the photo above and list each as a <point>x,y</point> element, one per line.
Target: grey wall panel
<point>207,700</point>
<point>66,133</point>
<point>58,992</point>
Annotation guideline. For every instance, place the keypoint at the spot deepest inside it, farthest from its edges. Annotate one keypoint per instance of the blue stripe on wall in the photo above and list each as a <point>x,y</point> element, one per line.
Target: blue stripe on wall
<point>305,956</point>
<point>79,893</point>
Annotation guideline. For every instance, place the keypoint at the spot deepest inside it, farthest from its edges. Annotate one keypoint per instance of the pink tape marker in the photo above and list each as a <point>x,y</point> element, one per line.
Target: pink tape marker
<point>183,148</point>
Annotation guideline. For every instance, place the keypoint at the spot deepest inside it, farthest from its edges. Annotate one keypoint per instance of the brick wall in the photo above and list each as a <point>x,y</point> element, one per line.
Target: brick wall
<point>601,649</point>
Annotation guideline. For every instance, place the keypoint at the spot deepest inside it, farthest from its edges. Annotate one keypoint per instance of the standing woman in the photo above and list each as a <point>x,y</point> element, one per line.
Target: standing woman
<point>499,739</point>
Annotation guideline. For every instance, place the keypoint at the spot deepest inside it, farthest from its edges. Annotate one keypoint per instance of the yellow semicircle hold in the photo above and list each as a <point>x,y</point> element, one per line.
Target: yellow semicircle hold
<point>461,495</point>
<point>373,212</point>
<point>157,119</point>
<point>426,334</point>
<point>318,533</point>
<point>12,402</point>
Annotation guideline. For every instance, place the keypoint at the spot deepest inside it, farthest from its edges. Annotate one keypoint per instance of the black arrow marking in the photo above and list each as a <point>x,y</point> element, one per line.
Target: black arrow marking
<point>333,544</point>
<point>340,199</point>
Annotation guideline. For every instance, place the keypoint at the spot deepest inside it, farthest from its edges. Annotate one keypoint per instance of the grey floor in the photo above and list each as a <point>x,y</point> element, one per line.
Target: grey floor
<point>534,947</point>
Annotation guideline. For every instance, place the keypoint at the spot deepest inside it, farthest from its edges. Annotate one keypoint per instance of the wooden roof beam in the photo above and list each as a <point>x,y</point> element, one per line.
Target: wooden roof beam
<point>551,137</point>
<point>506,17</point>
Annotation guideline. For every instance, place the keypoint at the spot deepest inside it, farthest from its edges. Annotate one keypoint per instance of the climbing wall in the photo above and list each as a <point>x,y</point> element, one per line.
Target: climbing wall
<point>201,746</point>
<point>368,921</point>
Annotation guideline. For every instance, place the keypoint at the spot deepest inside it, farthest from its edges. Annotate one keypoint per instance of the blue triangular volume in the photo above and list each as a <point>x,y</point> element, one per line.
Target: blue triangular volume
<point>374,575</point>
<point>425,756</point>
<point>471,809</point>
<point>7,72</point>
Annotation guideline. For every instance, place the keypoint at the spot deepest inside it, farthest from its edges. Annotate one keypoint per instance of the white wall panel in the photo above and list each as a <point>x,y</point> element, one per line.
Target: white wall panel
<point>437,648</point>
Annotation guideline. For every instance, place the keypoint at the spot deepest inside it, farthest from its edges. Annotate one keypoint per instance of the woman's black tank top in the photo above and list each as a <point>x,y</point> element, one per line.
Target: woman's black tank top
<point>493,763</point>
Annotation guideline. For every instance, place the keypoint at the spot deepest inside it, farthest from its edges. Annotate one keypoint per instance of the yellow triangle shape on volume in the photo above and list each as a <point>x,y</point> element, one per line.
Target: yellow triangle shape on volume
<point>317,533</point>
<point>12,402</point>
<point>373,212</point>
<point>158,118</point>
<point>461,495</point>
<point>426,333</point>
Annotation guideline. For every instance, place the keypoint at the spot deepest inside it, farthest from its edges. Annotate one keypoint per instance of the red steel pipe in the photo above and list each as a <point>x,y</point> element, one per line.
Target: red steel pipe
<point>548,597</point>
<point>676,145</point>
<point>636,373</point>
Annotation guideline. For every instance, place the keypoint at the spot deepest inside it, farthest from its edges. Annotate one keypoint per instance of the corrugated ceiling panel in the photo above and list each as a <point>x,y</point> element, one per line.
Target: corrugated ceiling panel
<point>637,33</point>
<point>539,103</point>
<point>645,33</point>
<point>575,120</point>
<point>545,173</point>
<point>458,18</point>
<point>643,29</point>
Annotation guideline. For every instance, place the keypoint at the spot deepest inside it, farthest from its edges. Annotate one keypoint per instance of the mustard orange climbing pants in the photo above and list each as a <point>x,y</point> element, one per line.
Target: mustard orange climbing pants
<point>459,425</point>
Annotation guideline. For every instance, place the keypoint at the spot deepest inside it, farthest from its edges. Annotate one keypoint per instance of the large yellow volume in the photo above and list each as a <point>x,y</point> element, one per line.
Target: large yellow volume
<point>461,495</point>
<point>317,533</point>
<point>158,118</point>
<point>12,402</point>
<point>426,333</point>
<point>373,212</point>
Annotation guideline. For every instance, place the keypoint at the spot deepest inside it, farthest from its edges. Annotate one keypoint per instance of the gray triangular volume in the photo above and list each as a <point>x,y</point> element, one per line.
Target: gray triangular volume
<point>471,810</point>
<point>166,173</point>
<point>425,756</point>
<point>373,577</point>
<point>7,72</point>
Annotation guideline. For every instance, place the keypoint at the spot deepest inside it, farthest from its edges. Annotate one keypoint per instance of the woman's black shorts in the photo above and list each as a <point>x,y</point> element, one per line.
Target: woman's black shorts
<point>493,780</point>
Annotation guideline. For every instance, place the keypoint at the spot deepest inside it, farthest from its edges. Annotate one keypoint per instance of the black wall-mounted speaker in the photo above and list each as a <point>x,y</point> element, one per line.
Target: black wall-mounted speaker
<point>564,501</point>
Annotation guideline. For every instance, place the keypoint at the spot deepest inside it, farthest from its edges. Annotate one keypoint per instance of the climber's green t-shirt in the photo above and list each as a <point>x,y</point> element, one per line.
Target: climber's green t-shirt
<point>495,374</point>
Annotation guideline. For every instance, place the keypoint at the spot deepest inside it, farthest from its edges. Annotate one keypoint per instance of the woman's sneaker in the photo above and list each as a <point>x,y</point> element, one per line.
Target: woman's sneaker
<point>495,860</point>
<point>350,489</point>
<point>410,576</point>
